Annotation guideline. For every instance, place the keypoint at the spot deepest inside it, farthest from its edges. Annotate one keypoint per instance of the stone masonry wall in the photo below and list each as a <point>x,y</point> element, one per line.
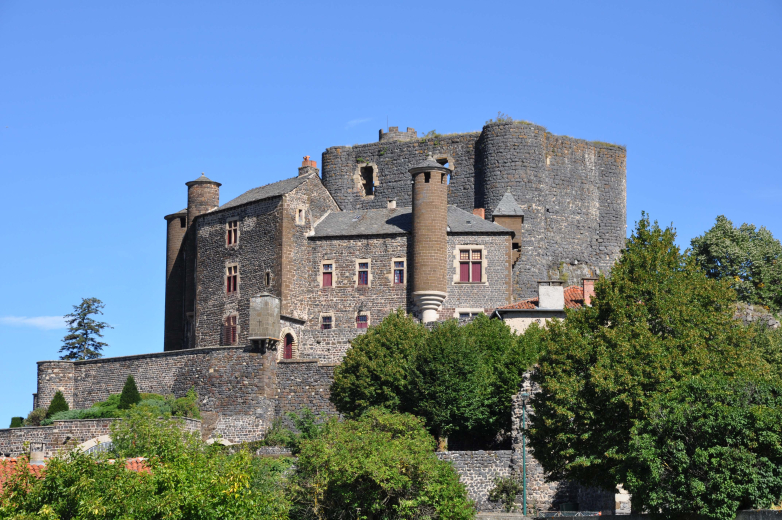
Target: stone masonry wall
<point>478,470</point>
<point>53,376</point>
<point>61,436</point>
<point>304,384</point>
<point>488,295</point>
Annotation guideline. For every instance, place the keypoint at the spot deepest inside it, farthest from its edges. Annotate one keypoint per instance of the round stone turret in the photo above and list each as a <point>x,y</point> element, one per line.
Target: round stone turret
<point>430,236</point>
<point>203,194</point>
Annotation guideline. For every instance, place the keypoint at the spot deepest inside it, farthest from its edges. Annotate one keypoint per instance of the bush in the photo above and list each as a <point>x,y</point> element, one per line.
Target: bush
<point>35,417</point>
<point>306,426</point>
<point>58,404</point>
<point>17,422</point>
<point>186,406</point>
<point>505,490</point>
<point>379,466</point>
<point>129,395</point>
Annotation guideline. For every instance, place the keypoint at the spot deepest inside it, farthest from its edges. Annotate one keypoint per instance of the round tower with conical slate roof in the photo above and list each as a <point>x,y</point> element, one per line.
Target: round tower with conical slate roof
<point>430,237</point>
<point>203,194</point>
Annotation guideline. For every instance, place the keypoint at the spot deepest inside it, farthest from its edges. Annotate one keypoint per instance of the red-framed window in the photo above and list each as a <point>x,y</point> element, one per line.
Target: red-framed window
<point>326,322</point>
<point>399,273</point>
<point>232,279</point>
<point>232,232</point>
<point>362,321</point>
<point>470,265</point>
<point>287,352</point>
<point>328,273</point>
<point>230,330</point>
<point>363,273</point>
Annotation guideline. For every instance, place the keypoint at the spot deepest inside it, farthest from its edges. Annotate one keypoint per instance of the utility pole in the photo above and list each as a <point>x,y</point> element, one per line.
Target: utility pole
<point>524,396</point>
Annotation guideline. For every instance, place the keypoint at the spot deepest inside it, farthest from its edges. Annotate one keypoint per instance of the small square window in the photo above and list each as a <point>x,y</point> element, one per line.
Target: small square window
<point>362,321</point>
<point>326,322</point>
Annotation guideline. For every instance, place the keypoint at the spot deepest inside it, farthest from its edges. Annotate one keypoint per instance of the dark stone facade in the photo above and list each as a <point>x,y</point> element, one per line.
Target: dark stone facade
<point>478,471</point>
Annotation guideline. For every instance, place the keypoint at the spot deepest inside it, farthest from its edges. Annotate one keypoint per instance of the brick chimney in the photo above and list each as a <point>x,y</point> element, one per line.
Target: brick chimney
<point>479,212</point>
<point>308,166</point>
<point>589,290</point>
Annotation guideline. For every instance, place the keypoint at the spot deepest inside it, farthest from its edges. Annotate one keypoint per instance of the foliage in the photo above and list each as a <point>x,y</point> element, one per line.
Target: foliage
<point>657,321</point>
<point>749,258</point>
<point>379,466</point>
<point>81,342</point>
<point>505,490</point>
<point>769,341</point>
<point>130,394</point>
<point>187,479</point>
<point>186,406</point>
<point>375,370</point>
<point>17,422</point>
<point>460,379</point>
<point>431,134</point>
<point>306,426</point>
<point>58,404</point>
<point>501,118</point>
<point>142,434</point>
<point>35,417</point>
<point>711,447</point>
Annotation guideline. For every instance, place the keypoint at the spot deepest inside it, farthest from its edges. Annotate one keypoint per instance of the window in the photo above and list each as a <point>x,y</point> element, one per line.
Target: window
<point>470,265</point>
<point>230,329</point>
<point>362,321</point>
<point>328,271</point>
<point>301,216</point>
<point>465,314</point>
<point>399,272</point>
<point>232,232</point>
<point>363,273</point>
<point>182,222</point>
<point>368,180</point>
<point>231,279</point>
<point>326,321</point>
<point>268,278</point>
<point>287,352</point>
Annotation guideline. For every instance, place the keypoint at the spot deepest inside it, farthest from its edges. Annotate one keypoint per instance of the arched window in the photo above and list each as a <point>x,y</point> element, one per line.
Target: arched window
<point>287,352</point>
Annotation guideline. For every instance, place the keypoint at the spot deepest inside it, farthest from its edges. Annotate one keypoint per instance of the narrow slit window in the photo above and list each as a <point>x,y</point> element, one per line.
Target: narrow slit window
<point>363,273</point>
<point>268,279</point>
<point>287,352</point>
<point>182,222</point>
<point>399,273</point>
<point>328,271</point>
<point>368,180</point>
<point>232,279</point>
<point>326,322</point>
<point>232,232</point>
<point>362,321</point>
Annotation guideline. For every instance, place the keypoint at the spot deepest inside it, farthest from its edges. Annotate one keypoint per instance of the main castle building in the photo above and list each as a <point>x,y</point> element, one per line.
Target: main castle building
<point>445,226</point>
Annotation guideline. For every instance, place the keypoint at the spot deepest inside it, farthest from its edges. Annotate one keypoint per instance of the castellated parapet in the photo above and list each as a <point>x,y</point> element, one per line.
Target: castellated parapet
<point>393,134</point>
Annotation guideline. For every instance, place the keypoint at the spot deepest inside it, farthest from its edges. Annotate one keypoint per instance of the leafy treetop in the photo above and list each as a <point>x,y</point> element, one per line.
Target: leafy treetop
<point>81,342</point>
<point>749,258</point>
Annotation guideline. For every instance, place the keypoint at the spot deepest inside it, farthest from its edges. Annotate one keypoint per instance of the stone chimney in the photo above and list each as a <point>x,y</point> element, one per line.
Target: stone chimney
<point>589,290</point>
<point>551,294</point>
<point>430,237</point>
<point>479,212</point>
<point>308,166</point>
<point>36,458</point>
<point>391,203</point>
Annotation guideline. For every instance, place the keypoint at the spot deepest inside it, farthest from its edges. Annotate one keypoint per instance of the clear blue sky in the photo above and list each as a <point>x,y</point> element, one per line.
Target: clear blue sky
<point>108,108</point>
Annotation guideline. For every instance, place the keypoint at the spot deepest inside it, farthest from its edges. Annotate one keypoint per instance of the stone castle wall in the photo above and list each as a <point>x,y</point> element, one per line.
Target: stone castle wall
<point>478,471</point>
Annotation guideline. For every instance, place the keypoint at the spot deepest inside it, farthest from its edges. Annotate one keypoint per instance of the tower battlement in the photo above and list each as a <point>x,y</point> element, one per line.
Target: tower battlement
<point>394,134</point>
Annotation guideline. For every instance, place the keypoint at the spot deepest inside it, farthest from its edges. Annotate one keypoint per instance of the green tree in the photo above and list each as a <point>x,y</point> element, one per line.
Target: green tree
<point>81,342</point>
<point>58,404</point>
<point>375,371</point>
<point>656,321</point>
<point>711,447</point>
<point>379,466</point>
<point>129,395</point>
<point>17,422</point>
<point>749,258</point>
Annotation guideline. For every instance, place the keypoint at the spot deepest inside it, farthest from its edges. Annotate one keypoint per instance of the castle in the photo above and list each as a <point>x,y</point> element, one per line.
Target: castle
<point>448,226</point>
<point>265,292</point>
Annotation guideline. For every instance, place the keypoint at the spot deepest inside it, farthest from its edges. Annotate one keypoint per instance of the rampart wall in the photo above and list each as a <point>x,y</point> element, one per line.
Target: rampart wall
<point>477,471</point>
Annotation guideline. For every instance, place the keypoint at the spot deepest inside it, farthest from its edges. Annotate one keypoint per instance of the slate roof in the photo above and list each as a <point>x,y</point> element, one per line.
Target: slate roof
<point>574,299</point>
<point>397,221</point>
<point>274,189</point>
<point>507,207</point>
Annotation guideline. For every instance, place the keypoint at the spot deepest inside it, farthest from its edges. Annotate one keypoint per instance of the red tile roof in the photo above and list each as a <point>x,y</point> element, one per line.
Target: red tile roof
<point>9,466</point>
<point>574,299</point>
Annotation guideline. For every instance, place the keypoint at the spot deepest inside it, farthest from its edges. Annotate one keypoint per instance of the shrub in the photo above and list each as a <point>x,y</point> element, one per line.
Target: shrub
<point>129,395</point>
<point>58,404</point>
<point>35,417</point>
<point>17,422</point>
<point>505,490</point>
<point>186,406</point>
<point>379,466</point>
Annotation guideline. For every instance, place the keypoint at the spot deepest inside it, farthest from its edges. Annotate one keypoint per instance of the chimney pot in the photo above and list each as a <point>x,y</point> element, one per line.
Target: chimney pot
<point>391,203</point>
<point>479,212</point>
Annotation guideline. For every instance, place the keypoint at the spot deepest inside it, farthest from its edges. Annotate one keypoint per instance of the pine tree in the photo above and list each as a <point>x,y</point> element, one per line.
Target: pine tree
<point>58,404</point>
<point>82,339</point>
<point>130,394</point>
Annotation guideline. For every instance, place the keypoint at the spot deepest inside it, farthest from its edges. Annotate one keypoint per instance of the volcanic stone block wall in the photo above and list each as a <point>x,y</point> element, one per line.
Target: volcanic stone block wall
<point>53,376</point>
<point>175,281</point>
<point>304,384</point>
<point>477,471</point>
<point>393,160</point>
<point>495,292</point>
<point>256,253</point>
<point>572,193</point>
<point>345,298</point>
<point>327,346</point>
